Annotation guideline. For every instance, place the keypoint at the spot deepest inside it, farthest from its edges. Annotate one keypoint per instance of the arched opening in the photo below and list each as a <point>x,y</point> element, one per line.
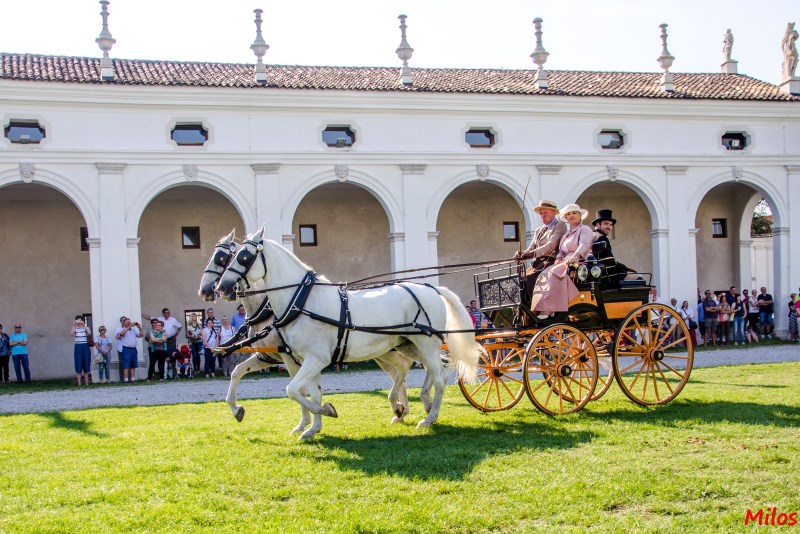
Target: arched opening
<point>44,273</point>
<point>471,224</point>
<point>630,238</point>
<point>345,232</point>
<point>170,265</point>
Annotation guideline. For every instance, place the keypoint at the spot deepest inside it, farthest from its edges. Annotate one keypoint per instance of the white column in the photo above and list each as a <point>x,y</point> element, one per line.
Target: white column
<point>287,240</point>
<point>95,281</point>
<point>417,252</point>
<point>745,264</point>
<point>783,282</point>
<point>433,253</point>
<point>135,295</point>
<point>677,272</point>
<point>268,201</point>
<point>659,237</point>
<point>397,250</point>
<point>114,295</point>
<point>550,187</point>
<point>691,262</point>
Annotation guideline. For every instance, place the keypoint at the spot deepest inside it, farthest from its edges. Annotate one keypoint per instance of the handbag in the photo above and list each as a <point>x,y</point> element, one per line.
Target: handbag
<point>692,324</point>
<point>98,358</point>
<point>90,340</point>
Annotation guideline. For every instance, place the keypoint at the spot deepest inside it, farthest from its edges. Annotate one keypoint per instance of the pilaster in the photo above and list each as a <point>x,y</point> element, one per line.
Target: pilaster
<point>415,247</point>
<point>268,200</point>
<point>677,274</point>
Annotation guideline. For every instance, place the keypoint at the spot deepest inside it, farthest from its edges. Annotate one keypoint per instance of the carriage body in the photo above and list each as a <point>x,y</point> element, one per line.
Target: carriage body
<point>610,331</point>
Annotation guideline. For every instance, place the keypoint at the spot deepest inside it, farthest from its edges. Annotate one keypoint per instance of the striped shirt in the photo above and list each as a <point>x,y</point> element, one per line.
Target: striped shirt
<point>81,336</point>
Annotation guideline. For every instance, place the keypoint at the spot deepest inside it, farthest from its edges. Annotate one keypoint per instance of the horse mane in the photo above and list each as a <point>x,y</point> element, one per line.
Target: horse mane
<point>280,254</point>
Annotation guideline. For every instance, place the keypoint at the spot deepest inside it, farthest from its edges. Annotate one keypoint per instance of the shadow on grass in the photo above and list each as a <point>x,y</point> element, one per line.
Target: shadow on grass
<point>57,420</point>
<point>759,386</point>
<point>681,410</point>
<point>444,452</point>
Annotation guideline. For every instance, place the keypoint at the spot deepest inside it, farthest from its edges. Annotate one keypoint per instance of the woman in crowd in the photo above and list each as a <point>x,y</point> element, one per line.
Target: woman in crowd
<point>103,345</point>
<point>226,332</point>
<point>687,314</point>
<point>157,338</point>
<point>5,355</point>
<point>724,319</point>
<point>81,353</point>
<point>194,333</point>
<point>554,288</point>
<point>792,318</point>
<point>209,342</point>
<point>738,321</point>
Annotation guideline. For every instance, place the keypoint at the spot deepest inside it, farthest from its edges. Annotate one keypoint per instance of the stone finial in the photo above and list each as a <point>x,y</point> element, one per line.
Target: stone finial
<point>105,42</point>
<point>665,60</point>
<point>539,56</point>
<point>729,66</point>
<point>404,52</point>
<point>790,83</point>
<point>259,48</point>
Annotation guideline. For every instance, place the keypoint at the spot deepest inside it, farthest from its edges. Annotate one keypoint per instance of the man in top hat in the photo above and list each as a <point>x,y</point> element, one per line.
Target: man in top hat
<point>601,248</point>
<point>544,246</point>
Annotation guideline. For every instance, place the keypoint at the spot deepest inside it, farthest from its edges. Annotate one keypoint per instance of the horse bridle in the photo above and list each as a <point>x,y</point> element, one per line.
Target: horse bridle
<point>246,259</point>
<point>222,257</point>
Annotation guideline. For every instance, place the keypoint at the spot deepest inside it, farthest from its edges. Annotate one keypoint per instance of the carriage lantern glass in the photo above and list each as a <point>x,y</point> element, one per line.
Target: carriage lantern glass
<point>583,273</point>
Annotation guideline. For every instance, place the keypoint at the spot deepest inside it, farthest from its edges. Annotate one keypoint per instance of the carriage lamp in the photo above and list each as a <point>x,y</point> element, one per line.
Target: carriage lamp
<point>595,271</point>
<point>583,273</point>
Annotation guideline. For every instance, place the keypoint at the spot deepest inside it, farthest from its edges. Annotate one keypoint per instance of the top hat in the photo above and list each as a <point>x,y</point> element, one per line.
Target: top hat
<point>572,207</point>
<point>546,204</point>
<point>604,215</point>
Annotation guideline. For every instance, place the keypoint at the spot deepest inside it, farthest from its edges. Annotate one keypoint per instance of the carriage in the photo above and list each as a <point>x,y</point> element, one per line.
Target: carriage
<point>611,332</point>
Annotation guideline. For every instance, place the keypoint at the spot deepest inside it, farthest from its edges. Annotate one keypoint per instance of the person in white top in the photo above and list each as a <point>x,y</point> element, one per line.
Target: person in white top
<point>171,326</point>
<point>127,335</point>
<point>226,332</point>
<point>210,340</point>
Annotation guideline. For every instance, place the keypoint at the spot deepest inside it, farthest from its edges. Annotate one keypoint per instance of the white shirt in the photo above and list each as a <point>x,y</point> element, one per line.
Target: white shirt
<point>171,326</point>
<point>226,333</point>
<point>129,339</point>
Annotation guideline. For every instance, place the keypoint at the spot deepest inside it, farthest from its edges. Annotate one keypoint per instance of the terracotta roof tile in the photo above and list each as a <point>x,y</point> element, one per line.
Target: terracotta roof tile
<point>32,67</point>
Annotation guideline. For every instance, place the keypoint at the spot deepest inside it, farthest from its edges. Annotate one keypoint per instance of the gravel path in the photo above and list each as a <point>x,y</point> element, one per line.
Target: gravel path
<point>216,390</point>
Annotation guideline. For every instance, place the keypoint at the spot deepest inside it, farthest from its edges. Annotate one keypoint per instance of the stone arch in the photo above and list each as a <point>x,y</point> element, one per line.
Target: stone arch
<point>215,182</point>
<point>747,221</point>
<point>64,186</point>
<point>645,190</point>
<point>375,187</point>
<point>756,181</point>
<point>502,180</point>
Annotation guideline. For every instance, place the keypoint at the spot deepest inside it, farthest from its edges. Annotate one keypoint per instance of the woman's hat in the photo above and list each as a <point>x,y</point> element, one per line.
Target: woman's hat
<point>546,204</point>
<point>604,215</point>
<point>572,207</point>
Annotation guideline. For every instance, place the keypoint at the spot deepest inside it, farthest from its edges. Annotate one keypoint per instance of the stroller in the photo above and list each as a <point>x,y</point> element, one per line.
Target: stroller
<point>180,363</point>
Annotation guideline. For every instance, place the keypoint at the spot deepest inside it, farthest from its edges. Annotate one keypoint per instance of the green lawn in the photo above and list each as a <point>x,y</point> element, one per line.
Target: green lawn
<point>730,442</point>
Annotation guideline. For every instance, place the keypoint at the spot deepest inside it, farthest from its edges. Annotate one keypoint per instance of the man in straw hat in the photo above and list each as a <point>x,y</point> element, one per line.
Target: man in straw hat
<point>544,246</point>
<point>601,247</point>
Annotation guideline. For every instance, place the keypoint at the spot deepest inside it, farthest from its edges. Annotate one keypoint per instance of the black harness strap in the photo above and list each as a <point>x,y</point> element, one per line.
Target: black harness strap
<point>345,326</point>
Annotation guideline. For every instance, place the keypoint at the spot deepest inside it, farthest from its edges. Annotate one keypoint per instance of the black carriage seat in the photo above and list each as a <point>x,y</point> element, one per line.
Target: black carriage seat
<point>632,282</point>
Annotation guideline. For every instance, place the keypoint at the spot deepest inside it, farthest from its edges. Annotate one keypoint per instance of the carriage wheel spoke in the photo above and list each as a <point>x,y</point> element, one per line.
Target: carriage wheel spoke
<point>664,378</point>
<point>646,379</point>
<point>668,366</point>
<point>636,378</point>
<point>655,384</point>
<point>637,362</point>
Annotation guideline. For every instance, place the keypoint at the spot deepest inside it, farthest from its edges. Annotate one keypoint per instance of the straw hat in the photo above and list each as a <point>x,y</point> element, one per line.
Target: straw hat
<point>545,204</point>
<point>572,207</point>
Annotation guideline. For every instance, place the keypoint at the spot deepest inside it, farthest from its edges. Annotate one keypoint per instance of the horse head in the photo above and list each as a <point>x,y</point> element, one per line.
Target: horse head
<point>223,253</point>
<point>243,268</point>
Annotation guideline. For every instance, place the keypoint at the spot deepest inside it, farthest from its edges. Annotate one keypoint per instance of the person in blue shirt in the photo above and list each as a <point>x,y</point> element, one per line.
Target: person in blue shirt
<point>238,319</point>
<point>19,353</point>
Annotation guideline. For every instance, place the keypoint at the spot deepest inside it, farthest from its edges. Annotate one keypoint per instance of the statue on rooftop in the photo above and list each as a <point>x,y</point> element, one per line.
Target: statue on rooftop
<point>789,47</point>
<point>727,46</point>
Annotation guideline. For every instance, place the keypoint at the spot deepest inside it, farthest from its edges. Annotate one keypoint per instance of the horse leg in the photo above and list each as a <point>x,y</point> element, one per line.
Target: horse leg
<point>314,391</point>
<point>305,415</point>
<point>253,363</point>
<point>396,366</point>
<point>433,364</point>
<point>425,393</point>
<point>308,375</point>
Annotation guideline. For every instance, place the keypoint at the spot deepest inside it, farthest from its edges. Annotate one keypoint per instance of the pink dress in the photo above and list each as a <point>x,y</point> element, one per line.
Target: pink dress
<point>554,289</point>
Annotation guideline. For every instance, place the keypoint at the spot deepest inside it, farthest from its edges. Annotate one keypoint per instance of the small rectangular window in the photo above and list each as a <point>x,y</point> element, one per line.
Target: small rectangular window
<point>338,136</point>
<point>511,232</point>
<point>479,138</point>
<point>190,236</point>
<point>189,134</point>
<point>308,235</point>
<point>719,228</point>
<point>84,235</point>
<point>24,132</point>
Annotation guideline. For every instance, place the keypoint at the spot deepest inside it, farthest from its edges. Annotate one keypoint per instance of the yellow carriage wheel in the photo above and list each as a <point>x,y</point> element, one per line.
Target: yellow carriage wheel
<point>560,369</point>
<point>603,342</point>
<point>653,355</point>
<point>500,384</point>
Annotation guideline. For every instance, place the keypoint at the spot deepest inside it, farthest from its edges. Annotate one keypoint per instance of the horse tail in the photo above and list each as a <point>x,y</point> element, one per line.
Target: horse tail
<point>464,350</point>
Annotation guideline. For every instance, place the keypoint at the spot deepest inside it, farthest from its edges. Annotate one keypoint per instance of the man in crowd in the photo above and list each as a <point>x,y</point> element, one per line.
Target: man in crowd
<point>19,353</point>
<point>127,334</point>
<point>217,323</point>
<point>601,248</point>
<point>544,245</point>
<point>239,318</point>
<point>766,307</point>
<point>711,311</point>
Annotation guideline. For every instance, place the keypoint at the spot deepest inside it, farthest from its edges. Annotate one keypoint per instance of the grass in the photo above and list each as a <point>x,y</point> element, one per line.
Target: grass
<point>730,442</point>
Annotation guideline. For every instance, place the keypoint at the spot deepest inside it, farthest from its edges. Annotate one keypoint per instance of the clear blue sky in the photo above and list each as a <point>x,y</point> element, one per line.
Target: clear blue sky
<point>619,35</point>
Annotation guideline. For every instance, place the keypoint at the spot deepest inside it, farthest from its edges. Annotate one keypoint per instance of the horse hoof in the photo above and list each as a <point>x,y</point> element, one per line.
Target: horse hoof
<point>400,411</point>
<point>423,424</point>
<point>239,414</point>
<point>397,419</point>
<point>307,435</point>
<point>297,430</point>
<point>330,411</point>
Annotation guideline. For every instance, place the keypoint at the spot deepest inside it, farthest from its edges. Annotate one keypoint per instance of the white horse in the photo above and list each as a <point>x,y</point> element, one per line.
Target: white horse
<point>395,365</point>
<point>405,317</point>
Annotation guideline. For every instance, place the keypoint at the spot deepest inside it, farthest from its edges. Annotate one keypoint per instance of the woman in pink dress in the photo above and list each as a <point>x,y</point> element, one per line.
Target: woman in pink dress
<point>554,288</point>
